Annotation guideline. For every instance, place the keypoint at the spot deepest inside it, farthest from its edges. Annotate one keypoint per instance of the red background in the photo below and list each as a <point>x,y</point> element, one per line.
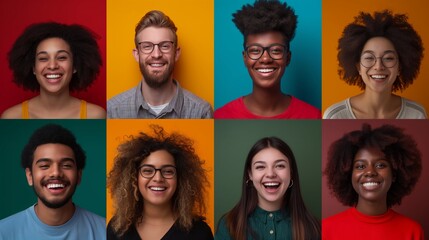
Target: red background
<point>415,205</point>
<point>16,15</point>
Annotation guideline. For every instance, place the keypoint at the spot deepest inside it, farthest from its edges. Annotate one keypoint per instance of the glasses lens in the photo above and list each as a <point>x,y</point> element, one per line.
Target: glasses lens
<point>276,51</point>
<point>147,171</point>
<point>165,47</point>
<point>367,60</point>
<point>168,171</point>
<point>389,60</point>
<point>254,52</point>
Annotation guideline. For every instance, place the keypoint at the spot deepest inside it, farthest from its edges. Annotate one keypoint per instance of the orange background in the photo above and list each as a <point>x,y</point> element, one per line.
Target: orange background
<point>201,131</point>
<point>337,14</point>
<point>194,21</point>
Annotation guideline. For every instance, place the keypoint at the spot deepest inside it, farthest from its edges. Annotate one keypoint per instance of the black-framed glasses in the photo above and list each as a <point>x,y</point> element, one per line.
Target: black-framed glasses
<point>389,59</point>
<point>275,51</point>
<point>164,47</point>
<point>148,171</point>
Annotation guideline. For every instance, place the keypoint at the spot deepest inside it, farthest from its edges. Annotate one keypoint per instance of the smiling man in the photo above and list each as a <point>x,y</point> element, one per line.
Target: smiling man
<point>268,26</point>
<point>158,95</point>
<point>53,163</point>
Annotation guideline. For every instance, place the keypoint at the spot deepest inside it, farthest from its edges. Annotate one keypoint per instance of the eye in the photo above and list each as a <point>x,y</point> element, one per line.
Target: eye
<point>62,58</point>
<point>280,166</point>
<point>169,171</point>
<point>44,166</point>
<point>165,45</point>
<point>259,167</point>
<point>68,166</point>
<point>254,50</point>
<point>146,46</point>
<point>381,165</point>
<point>277,50</point>
<point>359,166</point>
<point>42,59</point>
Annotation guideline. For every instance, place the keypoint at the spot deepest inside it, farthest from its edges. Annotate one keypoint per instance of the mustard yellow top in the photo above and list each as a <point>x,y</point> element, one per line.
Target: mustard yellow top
<point>26,112</point>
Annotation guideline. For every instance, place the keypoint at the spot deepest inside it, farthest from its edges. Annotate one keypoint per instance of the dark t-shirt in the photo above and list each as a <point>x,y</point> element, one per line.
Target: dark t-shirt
<point>199,231</point>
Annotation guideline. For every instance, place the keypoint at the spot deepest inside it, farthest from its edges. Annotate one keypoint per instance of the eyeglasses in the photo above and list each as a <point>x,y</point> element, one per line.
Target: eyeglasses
<point>164,47</point>
<point>148,171</point>
<point>388,59</point>
<point>275,51</point>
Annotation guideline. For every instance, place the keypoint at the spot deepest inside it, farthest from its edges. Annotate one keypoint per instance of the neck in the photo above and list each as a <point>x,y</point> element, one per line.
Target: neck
<point>54,101</point>
<point>372,208</point>
<point>377,105</point>
<point>54,216</point>
<point>158,96</point>
<point>156,214</point>
<point>266,102</point>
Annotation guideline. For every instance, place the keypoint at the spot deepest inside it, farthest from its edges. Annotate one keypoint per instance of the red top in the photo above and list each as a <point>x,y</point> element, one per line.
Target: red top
<point>296,109</point>
<point>353,225</point>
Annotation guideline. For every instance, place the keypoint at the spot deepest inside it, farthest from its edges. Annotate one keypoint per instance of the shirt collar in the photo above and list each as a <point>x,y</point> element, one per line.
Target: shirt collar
<point>264,216</point>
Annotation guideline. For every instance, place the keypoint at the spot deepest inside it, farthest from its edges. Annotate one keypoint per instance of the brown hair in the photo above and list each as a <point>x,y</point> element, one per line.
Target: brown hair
<point>158,19</point>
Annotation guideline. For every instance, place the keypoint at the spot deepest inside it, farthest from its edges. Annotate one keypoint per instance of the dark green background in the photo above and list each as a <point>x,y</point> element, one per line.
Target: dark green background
<point>233,140</point>
<point>17,195</point>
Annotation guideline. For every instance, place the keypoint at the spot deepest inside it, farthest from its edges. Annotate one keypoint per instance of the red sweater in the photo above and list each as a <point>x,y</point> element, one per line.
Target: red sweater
<point>353,225</point>
<point>297,109</point>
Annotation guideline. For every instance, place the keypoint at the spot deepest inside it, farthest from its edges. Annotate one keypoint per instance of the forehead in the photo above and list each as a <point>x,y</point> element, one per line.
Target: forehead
<point>53,151</point>
<point>53,44</point>
<point>266,38</point>
<point>369,153</point>
<point>155,35</point>
<point>378,44</point>
<point>269,155</point>
<point>159,158</point>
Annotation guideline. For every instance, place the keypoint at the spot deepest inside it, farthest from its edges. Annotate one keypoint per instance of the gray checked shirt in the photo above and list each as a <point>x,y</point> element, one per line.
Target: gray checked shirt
<point>131,104</point>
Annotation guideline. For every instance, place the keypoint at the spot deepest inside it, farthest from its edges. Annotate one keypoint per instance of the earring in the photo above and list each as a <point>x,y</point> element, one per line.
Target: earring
<point>247,182</point>
<point>74,71</point>
<point>290,185</point>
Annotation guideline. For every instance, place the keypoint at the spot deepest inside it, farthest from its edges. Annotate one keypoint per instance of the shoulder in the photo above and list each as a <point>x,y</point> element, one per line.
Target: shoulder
<point>231,109</point>
<point>339,110</point>
<point>196,106</point>
<point>15,222</point>
<point>14,112</point>
<point>222,230</point>
<point>201,230</point>
<point>412,110</point>
<point>123,97</point>
<point>192,98</point>
<point>407,222</point>
<point>90,216</point>
<point>301,109</point>
<point>95,111</point>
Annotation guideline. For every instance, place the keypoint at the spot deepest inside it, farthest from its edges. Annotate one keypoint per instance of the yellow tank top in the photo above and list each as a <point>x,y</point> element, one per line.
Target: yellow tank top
<point>26,112</point>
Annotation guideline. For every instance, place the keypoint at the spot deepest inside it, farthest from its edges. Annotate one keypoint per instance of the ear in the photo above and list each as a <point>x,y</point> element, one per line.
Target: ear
<point>358,68</point>
<point>29,176</point>
<point>178,51</point>
<point>250,175</point>
<point>136,54</point>
<point>79,176</point>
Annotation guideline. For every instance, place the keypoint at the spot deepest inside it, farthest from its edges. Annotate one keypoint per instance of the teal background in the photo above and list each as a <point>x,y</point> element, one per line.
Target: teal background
<point>17,195</point>
<point>233,140</point>
<point>302,77</point>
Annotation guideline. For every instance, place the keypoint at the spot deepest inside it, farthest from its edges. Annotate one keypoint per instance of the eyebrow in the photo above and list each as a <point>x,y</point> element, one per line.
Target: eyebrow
<point>151,165</point>
<point>387,51</point>
<point>59,51</point>
<point>48,160</point>
<point>275,162</point>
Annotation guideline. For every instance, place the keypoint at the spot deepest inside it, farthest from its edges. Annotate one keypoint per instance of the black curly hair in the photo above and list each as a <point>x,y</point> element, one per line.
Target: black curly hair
<point>265,16</point>
<point>83,45</point>
<point>52,133</point>
<point>396,29</point>
<point>399,149</point>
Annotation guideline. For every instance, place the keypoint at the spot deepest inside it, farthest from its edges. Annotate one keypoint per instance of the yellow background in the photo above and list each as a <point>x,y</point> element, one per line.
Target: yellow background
<point>337,14</point>
<point>201,131</point>
<point>194,21</point>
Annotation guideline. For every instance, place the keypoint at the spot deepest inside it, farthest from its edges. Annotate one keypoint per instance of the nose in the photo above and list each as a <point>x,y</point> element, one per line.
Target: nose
<point>378,63</point>
<point>52,64</point>
<point>158,176</point>
<point>156,53</point>
<point>265,56</point>
<point>370,171</point>
<point>271,172</point>
<point>56,171</point>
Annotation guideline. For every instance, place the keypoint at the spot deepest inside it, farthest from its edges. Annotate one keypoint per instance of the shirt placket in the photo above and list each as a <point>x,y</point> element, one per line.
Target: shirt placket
<point>270,227</point>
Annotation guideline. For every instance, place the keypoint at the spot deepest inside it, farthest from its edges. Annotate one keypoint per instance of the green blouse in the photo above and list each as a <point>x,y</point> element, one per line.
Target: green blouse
<point>265,225</point>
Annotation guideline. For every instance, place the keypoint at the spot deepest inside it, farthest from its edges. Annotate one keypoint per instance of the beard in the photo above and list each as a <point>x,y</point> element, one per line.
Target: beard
<point>156,81</point>
<point>58,203</point>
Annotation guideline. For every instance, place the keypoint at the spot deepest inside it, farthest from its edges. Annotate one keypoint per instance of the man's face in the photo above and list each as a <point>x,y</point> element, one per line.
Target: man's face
<point>54,175</point>
<point>267,72</point>
<point>157,66</point>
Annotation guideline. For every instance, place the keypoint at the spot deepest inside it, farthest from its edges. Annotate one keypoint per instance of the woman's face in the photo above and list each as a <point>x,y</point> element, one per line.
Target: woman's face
<point>382,74</point>
<point>270,174</point>
<point>266,72</point>
<point>158,190</point>
<point>53,65</point>
<point>371,176</point>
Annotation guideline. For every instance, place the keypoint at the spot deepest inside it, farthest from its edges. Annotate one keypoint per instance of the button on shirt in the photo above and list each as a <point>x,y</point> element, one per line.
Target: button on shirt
<point>271,225</point>
<point>184,104</point>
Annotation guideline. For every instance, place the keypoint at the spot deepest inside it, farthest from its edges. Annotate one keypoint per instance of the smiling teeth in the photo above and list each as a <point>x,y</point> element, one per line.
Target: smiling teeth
<point>368,184</point>
<point>156,64</point>
<point>271,184</point>
<point>265,70</point>
<point>158,188</point>
<point>53,76</point>
<point>55,185</point>
<point>378,76</point>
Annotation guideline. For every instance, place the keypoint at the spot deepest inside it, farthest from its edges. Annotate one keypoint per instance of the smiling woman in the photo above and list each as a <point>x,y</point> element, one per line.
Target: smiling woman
<point>55,59</point>
<point>381,54</point>
<point>371,170</point>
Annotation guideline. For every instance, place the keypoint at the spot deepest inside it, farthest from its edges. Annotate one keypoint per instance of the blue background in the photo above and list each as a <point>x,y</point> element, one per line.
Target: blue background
<point>302,77</point>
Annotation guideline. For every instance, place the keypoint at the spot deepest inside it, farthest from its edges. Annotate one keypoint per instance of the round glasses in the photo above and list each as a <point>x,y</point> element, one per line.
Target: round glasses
<point>275,51</point>
<point>388,59</point>
<point>164,47</point>
<point>148,171</point>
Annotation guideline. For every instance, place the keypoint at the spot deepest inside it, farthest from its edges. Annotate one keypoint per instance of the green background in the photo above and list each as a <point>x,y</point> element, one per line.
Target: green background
<point>17,195</point>
<point>233,140</point>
